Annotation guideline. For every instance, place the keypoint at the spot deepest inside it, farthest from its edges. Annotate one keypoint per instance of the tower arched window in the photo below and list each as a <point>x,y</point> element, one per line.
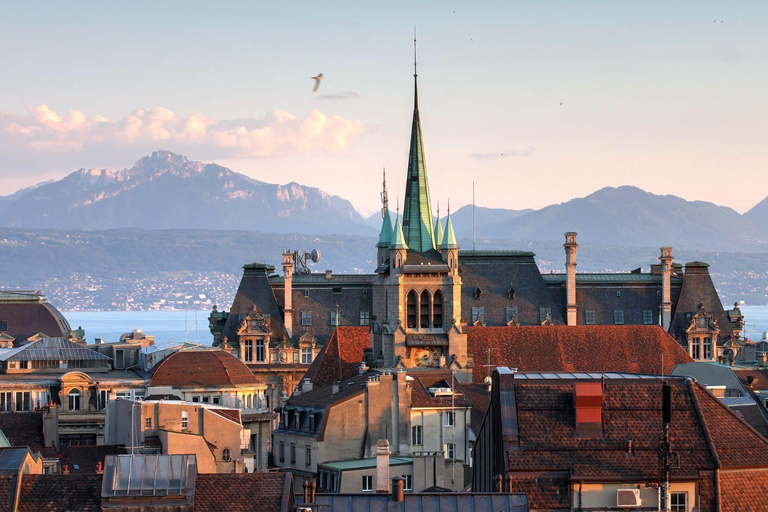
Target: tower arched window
<point>74,400</point>
<point>411,305</point>
<point>437,309</point>
<point>424,310</point>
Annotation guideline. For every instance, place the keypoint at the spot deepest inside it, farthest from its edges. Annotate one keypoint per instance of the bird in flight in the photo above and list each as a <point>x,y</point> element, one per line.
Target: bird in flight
<point>317,81</point>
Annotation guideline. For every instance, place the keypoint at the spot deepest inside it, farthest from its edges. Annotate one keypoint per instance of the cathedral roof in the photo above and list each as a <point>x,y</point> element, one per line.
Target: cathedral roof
<point>438,230</point>
<point>399,241</point>
<point>449,239</point>
<point>417,213</point>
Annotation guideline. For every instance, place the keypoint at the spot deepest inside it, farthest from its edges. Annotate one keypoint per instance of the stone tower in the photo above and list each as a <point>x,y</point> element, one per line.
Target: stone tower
<point>416,318</point>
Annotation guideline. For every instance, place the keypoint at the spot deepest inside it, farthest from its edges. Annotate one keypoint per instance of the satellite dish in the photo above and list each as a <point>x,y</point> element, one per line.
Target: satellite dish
<point>315,255</point>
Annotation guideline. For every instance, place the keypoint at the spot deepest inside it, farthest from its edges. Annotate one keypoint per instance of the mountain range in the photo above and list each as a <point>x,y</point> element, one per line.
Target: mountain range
<point>168,191</point>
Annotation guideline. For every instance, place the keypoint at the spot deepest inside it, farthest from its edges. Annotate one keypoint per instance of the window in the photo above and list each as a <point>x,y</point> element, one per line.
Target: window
<point>449,417</point>
<point>123,394</point>
<point>510,315</point>
<point>261,351</point>
<point>618,316</point>
<point>23,402</point>
<point>306,292</point>
<point>285,420</point>
<point>450,451</point>
<point>3,325</point>
<point>196,399</point>
<point>139,394</point>
<point>424,310</point>
<point>335,318</point>
<point>6,401</point>
<point>101,399</point>
<point>411,310</point>
<point>707,348</point>
<point>206,399</point>
<point>365,318</point>
<point>678,501</point>
<point>311,422</point>
<point>478,314</point>
<point>545,314</point>
<point>74,400</point>
<point>306,356</point>
<point>184,419</point>
<point>695,349</point>
<point>648,317</point>
<point>282,451</point>
<point>226,455</point>
<point>437,310</point>
<point>216,400</point>
<point>293,453</point>
<point>248,351</point>
<point>297,420</point>
<point>308,455</point>
<point>416,434</point>
<point>147,422</point>
<point>589,317</point>
<point>306,318</point>
<point>367,483</point>
<point>408,482</point>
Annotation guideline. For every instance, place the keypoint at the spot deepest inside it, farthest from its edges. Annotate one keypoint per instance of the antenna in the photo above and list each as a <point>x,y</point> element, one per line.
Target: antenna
<point>415,74</point>
<point>384,196</point>
<point>473,215</point>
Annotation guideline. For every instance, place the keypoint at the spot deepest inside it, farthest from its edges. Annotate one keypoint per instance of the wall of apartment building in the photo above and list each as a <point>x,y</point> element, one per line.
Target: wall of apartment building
<point>603,496</point>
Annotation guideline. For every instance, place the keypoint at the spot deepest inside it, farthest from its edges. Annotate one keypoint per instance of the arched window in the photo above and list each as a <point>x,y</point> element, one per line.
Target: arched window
<point>226,455</point>
<point>411,310</point>
<point>437,309</point>
<point>74,400</point>
<point>424,310</point>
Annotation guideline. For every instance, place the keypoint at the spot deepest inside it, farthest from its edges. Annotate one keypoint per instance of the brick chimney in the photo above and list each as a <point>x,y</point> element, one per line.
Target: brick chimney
<point>588,409</point>
<point>382,465</point>
<point>570,247</point>
<point>288,300</point>
<point>666,287</point>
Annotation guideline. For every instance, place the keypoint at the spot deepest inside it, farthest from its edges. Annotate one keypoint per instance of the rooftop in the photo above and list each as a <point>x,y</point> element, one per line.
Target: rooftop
<point>189,368</point>
<point>347,465</point>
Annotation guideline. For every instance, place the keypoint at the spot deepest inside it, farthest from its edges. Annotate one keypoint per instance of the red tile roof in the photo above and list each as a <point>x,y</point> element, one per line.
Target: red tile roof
<point>340,355</point>
<point>6,491</point>
<point>744,491</point>
<point>580,348</point>
<point>250,492</point>
<point>60,493</point>
<point>87,457</point>
<point>425,379</point>
<point>202,368</point>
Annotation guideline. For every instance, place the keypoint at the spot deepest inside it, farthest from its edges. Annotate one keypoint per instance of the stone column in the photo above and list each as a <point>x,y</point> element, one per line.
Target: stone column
<point>382,465</point>
<point>570,247</point>
<point>666,287</point>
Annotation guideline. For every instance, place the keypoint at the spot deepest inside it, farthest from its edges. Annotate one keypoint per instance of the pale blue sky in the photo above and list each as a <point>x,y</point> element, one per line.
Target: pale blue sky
<point>653,94</point>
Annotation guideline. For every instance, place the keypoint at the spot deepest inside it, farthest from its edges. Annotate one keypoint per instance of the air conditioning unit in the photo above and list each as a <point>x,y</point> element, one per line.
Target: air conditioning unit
<point>628,497</point>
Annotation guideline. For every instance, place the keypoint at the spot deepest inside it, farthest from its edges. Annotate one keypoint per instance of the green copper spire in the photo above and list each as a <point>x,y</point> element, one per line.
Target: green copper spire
<point>385,237</point>
<point>449,239</point>
<point>417,211</point>
<point>399,241</point>
<point>438,228</point>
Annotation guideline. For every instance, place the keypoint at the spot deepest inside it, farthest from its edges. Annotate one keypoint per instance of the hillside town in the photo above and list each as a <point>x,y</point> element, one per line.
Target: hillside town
<point>447,379</point>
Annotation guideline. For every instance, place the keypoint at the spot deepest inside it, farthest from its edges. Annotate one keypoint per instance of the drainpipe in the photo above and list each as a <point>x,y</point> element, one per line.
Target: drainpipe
<point>717,490</point>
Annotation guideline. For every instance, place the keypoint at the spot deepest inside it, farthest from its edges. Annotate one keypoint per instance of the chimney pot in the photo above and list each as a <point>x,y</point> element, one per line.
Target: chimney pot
<point>398,489</point>
<point>329,274</point>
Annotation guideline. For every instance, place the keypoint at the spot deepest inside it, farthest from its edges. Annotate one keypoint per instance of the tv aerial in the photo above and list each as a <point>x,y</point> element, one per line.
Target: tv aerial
<point>301,260</point>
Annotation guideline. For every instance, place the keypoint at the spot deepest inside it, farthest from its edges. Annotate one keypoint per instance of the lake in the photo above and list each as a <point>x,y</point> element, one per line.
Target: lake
<point>170,325</point>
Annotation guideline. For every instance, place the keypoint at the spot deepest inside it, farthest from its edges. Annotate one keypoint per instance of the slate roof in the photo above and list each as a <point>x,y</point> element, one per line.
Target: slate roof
<point>340,356</point>
<point>52,349</point>
<point>249,492</point>
<point>27,314</point>
<point>322,397</point>
<point>493,273</point>
<point>434,502</point>
<point>202,368</point>
<point>579,348</point>
<point>698,289</point>
<point>480,398</point>
<point>26,429</point>
<point>254,290</point>
<point>87,457</point>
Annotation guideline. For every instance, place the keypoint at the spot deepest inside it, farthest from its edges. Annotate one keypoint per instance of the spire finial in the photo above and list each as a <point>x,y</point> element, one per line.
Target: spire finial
<point>438,209</point>
<point>449,206</point>
<point>384,196</point>
<point>415,74</point>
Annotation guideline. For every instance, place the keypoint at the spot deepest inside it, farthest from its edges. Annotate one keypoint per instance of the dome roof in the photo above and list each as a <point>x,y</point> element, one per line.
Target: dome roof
<point>202,368</point>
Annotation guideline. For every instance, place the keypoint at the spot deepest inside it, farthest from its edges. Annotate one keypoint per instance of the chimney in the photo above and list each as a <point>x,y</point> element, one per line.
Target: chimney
<point>329,274</point>
<point>306,385</point>
<point>382,466</point>
<point>362,368</point>
<point>570,246</point>
<point>288,288</point>
<point>587,409</point>
<point>398,489</point>
<point>666,287</point>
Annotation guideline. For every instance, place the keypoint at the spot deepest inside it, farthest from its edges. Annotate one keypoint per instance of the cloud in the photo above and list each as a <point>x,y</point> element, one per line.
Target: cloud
<point>278,133</point>
<point>344,95</point>
<point>507,153</point>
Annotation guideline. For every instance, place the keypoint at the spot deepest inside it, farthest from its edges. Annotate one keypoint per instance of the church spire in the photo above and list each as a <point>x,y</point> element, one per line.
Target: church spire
<point>438,228</point>
<point>417,211</point>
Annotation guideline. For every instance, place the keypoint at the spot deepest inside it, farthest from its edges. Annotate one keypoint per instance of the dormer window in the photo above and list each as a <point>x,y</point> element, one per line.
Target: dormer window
<point>478,293</point>
<point>297,420</point>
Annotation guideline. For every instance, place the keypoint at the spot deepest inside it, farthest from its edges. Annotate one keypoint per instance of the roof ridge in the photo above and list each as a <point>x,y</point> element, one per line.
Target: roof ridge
<point>226,370</point>
<point>690,383</point>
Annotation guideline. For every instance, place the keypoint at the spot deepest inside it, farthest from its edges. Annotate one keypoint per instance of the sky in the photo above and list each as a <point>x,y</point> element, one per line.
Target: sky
<point>535,102</point>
